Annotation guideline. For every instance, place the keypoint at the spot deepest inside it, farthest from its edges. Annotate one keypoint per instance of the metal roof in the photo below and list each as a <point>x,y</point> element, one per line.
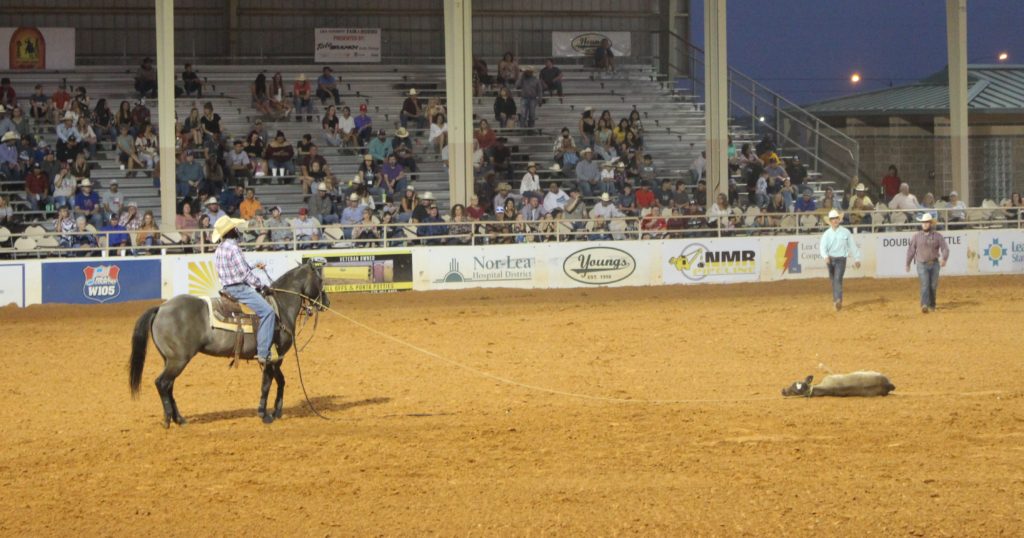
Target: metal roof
<point>991,89</point>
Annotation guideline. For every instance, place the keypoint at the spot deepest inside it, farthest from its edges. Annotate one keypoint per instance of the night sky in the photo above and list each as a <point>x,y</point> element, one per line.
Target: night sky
<point>807,49</point>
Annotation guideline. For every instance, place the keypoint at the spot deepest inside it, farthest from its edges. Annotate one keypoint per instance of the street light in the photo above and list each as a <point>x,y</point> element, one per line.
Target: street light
<point>1003,56</point>
<point>855,78</point>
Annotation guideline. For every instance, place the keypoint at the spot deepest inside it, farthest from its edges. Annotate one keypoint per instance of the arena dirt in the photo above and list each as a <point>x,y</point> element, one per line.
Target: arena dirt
<point>417,446</point>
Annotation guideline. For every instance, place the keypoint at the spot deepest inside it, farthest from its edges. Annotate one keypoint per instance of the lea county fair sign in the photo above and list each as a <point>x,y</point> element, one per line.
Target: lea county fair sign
<point>341,45</point>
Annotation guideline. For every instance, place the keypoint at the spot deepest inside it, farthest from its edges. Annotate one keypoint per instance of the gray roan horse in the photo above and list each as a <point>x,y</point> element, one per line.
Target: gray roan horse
<point>181,328</point>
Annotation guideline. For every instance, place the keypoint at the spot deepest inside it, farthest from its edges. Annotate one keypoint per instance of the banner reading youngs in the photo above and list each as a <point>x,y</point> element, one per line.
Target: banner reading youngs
<point>569,44</point>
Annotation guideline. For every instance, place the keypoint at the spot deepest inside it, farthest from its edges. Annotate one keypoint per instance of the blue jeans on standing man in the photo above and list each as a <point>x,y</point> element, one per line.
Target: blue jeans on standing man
<point>248,296</point>
<point>836,270</point>
<point>928,273</point>
<point>529,111</point>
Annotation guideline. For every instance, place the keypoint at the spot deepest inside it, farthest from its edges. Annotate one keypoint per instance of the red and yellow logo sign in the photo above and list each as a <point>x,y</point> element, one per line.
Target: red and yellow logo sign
<point>27,49</point>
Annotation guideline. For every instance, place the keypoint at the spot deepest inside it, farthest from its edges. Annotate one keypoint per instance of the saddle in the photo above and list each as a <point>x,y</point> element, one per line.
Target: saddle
<point>226,313</point>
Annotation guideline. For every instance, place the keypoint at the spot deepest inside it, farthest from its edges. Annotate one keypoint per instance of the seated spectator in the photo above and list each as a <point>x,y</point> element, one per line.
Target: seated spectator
<point>352,214</point>
<point>366,230</point>
<point>530,183</point>
<point>477,209</point>
<point>60,102</point>
<point>720,214</point>
<point>331,127</point>
<point>250,205</point>
<point>437,131</point>
<point>64,185</point>
<point>555,198</point>
<point>788,192</point>
<point>87,204</point>
<point>627,201</point>
<point>188,176</point>
<point>116,235</point>
<point>776,175</point>
<point>653,225</point>
<point>393,179</point>
<point>364,126</point>
<point>140,116</point>
<point>186,220</point>
<point>302,148</point>
<point>210,123</point>
<point>37,188</point>
<point>461,226</point>
<point>505,109</point>
<point>256,231</point>
<point>64,225</point>
<point>503,195</point>
<point>412,111</point>
<point>602,213</point>
<point>279,155</point>
<point>280,231</point>
<point>80,168</point>
<point>481,78</point>
<point>321,206</point>
<point>860,206</point>
<point>432,227</point>
<point>565,154</point>
<point>532,211</point>
<point>231,200</point>
<point>89,138</point>
<point>957,213</point>
<point>306,230</point>
<point>327,87</point>
<point>6,212</point>
<point>280,108</point>
<point>806,203</point>
<point>664,194</point>
<point>131,220</point>
<point>148,234</point>
<point>485,137</point>
<point>112,201</point>
<point>260,94</point>
<point>604,58</point>
<point>380,147</point>
<point>796,172</point>
<point>588,174</point>
<point>501,159</point>
<point>123,118</point>
<point>776,209</point>
<point>302,97</point>
<point>190,82</point>
<point>213,175</point>
<point>645,197</point>
<point>145,79</point>
<point>604,141</point>
<point>192,129</point>
<point>508,70</point>
<point>837,199</point>
<point>21,126</point>
<point>575,209</point>
<point>83,239</point>
<point>647,171</point>
<point>241,165</point>
<point>69,141</point>
<point>904,200</point>
<point>39,105</point>
<point>205,230</point>
<point>147,147</point>
<point>410,201</point>
<point>613,177</point>
<point>347,128</point>
<point>212,209</point>
<point>551,78</point>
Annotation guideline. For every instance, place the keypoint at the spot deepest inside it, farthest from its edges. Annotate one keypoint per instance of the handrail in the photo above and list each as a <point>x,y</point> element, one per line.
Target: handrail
<point>482,232</point>
<point>784,109</point>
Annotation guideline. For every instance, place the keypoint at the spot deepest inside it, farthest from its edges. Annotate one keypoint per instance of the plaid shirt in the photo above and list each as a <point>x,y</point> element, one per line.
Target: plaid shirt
<point>232,267</point>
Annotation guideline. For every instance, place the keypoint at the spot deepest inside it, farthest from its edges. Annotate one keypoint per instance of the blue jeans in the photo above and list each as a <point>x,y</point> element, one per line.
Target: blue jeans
<point>251,298</point>
<point>928,272</point>
<point>529,112</point>
<point>836,270</point>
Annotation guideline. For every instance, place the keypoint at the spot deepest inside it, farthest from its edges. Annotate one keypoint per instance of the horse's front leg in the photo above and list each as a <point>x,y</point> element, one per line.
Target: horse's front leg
<point>279,402</point>
<point>264,391</point>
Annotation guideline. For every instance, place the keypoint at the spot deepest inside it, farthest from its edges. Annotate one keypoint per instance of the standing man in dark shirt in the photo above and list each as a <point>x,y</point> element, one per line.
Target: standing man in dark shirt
<point>501,159</point>
<point>604,58</point>
<point>190,80</point>
<point>796,171</point>
<point>929,250</point>
<point>551,78</point>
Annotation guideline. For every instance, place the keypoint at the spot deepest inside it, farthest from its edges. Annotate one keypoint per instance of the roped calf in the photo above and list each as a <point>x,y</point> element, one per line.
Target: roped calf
<point>855,384</point>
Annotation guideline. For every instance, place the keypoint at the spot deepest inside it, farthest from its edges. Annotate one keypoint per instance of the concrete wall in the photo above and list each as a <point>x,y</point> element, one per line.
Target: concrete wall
<point>111,31</point>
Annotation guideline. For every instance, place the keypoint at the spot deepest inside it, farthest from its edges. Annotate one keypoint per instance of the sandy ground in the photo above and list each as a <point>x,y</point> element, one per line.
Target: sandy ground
<point>418,446</point>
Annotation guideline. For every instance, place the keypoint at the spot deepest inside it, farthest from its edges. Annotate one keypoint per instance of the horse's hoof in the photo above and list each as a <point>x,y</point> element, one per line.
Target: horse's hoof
<point>261,413</point>
<point>180,421</point>
<point>267,419</point>
<point>277,415</point>
<point>167,423</point>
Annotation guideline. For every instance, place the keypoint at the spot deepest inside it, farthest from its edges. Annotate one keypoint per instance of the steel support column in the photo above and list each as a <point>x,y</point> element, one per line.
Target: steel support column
<point>716,109</point>
<point>165,108</point>
<point>458,47</point>
<point>956,44</point>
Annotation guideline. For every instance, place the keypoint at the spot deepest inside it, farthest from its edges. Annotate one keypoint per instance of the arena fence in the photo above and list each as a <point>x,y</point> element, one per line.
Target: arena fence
<point>687,260</point>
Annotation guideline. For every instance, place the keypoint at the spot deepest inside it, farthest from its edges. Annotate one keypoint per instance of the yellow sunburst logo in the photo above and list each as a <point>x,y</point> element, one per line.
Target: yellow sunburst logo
<point>202,279</point>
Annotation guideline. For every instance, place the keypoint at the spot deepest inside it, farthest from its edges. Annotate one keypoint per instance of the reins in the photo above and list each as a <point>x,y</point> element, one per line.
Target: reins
<point>295,345</point>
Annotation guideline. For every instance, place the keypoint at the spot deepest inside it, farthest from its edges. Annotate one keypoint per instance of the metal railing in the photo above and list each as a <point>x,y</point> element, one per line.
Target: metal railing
<point>796,131</point>
<point>39,243</point>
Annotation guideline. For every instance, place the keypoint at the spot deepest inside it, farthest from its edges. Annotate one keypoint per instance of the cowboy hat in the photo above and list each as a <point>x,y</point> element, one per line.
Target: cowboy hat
<point>358,179</point>
<point>2,109</point>
<point>353,197</point>
<point>410,188</point>
<point>607,164</point>
<point>302,77</point>
<point>85,183</point>
<point>621,165</point>
<point>428,196</point>
<point>504,187</point>
<point>531,164</point>
<point>586,150</point>
<point>224,225</point>
<point>528,68</point>
<point>69,116</point>
<point>413,91</point>
<point>833,214</point>
<point>927,217</point>
<point>555,168</point>
<point>9,136</point>
<point>605,197</point>
<point>367,157</point>
<point>402,132</point>
<point>860,188</point>
<point>211,200</point>
<point>322,187</point>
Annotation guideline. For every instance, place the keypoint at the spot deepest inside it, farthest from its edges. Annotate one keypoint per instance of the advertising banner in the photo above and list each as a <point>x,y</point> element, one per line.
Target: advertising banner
<point>891,254</point>
<point>366,270</point>
<point>196,275</point>
<point>1001,251</point>
<point>36,49</point>
<point>12,284</point>
<point>567,265</point>
<point>710,261</point>
<point>101,281</point>
<point>795,257</point>
<point>342,45</point>
<point>575,44</point>
<point>497,266</point>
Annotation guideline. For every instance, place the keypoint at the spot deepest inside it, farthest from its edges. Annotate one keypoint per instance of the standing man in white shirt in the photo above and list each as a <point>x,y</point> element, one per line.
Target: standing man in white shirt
<point>836,246</point>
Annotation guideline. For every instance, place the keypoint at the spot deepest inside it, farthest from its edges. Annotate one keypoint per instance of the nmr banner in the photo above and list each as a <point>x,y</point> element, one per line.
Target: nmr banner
<point>341,45</point>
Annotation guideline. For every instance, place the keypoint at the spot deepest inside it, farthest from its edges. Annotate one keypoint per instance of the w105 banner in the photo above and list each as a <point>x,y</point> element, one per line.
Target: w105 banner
<point>341,45</point>
<point>101,281</point>
<point>569,44</point>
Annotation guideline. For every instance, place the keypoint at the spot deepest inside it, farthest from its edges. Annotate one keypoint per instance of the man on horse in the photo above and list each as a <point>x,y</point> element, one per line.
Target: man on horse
<point>240,281</point>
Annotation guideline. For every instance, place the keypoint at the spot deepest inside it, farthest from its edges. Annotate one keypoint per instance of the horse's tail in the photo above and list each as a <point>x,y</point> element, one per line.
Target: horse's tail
<point>140,338</point>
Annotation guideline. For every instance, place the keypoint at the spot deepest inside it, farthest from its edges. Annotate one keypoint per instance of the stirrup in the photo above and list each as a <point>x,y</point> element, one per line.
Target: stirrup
<point>271,360</point>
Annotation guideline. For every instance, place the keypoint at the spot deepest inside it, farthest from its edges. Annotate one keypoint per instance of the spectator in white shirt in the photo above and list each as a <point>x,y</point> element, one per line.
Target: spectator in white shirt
<point>531,181</point>
<point>556,198</point>
<point>697,168</point>
<point>347,128</point>
<point>602,213</point>
<point>957,211</point>
<point>437,130</point>
<point>904,200</point>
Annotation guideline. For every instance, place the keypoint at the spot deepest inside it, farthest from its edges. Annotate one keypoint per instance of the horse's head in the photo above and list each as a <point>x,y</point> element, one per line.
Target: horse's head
<point>314,286</point>
<point>799,388</point>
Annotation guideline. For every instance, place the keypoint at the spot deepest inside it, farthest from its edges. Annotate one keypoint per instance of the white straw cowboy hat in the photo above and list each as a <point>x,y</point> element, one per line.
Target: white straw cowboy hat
<point>358,179</point>
<point>2,109</point>
<point>367,157</point>
<point>224,225</point>
<point>8,136</point>
<point>413,92</point>
<point>605,197</point>
<point>211,200</point>
<point>322,187</point>
<point>411,188</point>
<point>402,132</point>
<point>531,164</point>
<point>860,188</point>
<point>833,214</point>
<point>68,116</point>
<point>555,168</point>
<point>86,183</point>
<point>428,196</point>
<point>927,217</point>
<point>302,77</point>
<point>353,197</point>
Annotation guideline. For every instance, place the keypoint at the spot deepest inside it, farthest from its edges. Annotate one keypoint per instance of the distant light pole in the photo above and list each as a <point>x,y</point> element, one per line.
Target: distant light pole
<point>855,78</point>
<point>1003,56</point>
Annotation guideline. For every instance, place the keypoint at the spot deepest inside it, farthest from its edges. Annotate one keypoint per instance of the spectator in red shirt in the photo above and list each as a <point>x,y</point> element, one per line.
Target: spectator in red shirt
<point>61,102</point>
<point>891,183</point>
<point>36,187</point>
<point>645,196</point>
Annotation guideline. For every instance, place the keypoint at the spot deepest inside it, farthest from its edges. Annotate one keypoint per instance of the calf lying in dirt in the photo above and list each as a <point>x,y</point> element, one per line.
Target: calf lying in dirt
<point>855,384</point>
